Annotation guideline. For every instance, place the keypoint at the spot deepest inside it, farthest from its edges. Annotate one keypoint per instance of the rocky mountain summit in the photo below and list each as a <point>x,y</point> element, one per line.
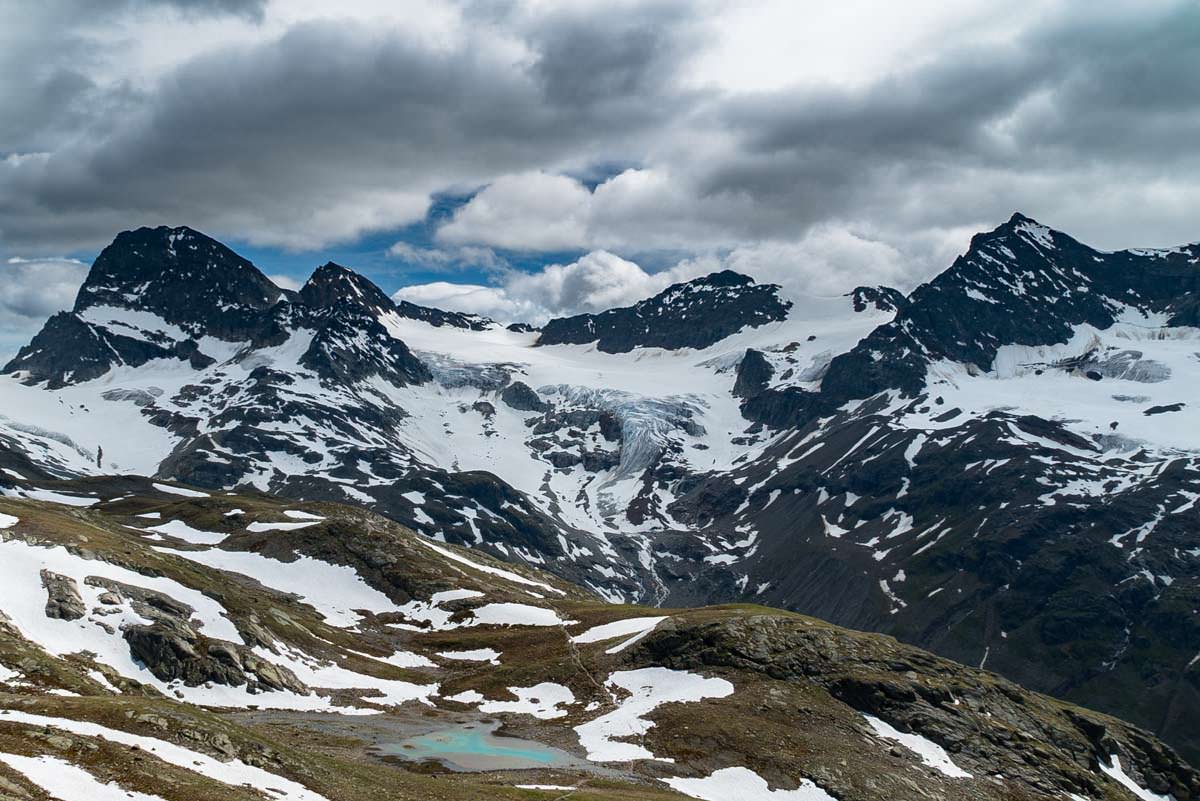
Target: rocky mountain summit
<point>191,286</point>
<point>1000,466</point>
<point>696,314</point>
<point>1022,284</point>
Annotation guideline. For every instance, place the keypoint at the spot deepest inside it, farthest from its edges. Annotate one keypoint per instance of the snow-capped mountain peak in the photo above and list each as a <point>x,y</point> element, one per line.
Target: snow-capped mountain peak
<point>695,314</point>
<point>179,274</point>
<point>332,285</point>
<point>1012,441</point>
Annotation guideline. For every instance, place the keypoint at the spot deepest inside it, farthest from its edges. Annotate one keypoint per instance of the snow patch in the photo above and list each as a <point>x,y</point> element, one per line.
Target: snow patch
<point>1115,772</point>
<point>930,752</point>
<point>473,655</point>
<point>61,779</point>
<point>508,575</point>
<point>181,530</point>
<point>744,784</point>
<point>634,628</point>
<point>648,688</point>
<point>186,493</point>
<point>543,701</point>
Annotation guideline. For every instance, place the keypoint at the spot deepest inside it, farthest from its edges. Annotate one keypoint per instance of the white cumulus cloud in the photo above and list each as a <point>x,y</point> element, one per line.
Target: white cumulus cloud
<point>285,282</point>
<point>525,211</point>
<point>637,209</point>
<point>829,260</point>
<point>596,281</point>
<point>445,258</point>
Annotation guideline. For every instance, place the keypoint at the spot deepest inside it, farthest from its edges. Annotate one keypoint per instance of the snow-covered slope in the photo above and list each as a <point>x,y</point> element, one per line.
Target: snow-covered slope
<point>335,392</point>
<point>1002,465</point>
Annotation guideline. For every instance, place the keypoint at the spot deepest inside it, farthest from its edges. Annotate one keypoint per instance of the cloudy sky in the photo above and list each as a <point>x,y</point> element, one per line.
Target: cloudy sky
<point>524,158</point>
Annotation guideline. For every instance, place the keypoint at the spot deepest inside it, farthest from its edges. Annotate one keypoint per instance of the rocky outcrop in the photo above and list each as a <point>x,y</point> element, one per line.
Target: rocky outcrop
<point>518,395</point>
<point>753,374</point>
<point>883,298</point>
<point>63,601</point>
<point>438,318</point>
<point>982,720</point>
<point>695,314</point>
<point>174,651</point>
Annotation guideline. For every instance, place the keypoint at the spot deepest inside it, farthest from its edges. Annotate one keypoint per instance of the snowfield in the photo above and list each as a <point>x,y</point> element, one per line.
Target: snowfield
<point>335,591</point>
<point>233,772</point>
<point>633,628</point>
<point>744,784</point>
<point>60,779</point>
<point>648,688</point>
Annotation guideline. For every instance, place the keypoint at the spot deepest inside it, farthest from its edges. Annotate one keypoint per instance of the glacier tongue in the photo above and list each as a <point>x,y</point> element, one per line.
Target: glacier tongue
<point>647,423</point>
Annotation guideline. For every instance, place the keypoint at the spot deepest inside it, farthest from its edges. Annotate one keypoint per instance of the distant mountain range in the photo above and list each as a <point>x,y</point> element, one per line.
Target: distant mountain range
<point>1002,466</point>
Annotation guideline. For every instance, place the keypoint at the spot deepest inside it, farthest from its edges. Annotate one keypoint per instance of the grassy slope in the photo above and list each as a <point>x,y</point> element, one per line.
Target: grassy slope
<point>800,683</point>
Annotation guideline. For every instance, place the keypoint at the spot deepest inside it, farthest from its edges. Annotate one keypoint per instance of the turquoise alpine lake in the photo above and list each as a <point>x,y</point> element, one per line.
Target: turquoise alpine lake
<point>472,747</point>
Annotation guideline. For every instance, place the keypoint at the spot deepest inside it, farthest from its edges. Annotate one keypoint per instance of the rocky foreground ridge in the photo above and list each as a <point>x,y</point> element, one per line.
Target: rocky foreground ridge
<point>185,644</point>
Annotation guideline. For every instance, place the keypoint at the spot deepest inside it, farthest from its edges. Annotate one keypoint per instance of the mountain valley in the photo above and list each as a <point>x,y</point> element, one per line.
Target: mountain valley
<point>1001,468</point>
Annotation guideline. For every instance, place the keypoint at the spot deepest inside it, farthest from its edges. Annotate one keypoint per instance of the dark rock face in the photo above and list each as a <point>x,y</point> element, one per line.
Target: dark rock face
<point>181,275</point>
<point>69,350</point>
<point>63,601</point>
<point>691,315</point>
<point>521,397</point>
<point>147,279</point>
<point>332,286</point>
<point>16,466</point>
<point>439,318</point>
<point>1186,311</point>
<point>351,344</point>
<point>788,407</point>
<point>884,298</point>
<point>753,374</point>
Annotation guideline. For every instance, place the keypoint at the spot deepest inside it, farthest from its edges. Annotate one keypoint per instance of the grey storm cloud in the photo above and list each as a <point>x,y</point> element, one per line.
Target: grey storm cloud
<point>327,129</point>
<point>620,61</point>
<point>324,117</point>
<point>249,8</point>
<point>1115,100</point>
<point>48,49</point>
